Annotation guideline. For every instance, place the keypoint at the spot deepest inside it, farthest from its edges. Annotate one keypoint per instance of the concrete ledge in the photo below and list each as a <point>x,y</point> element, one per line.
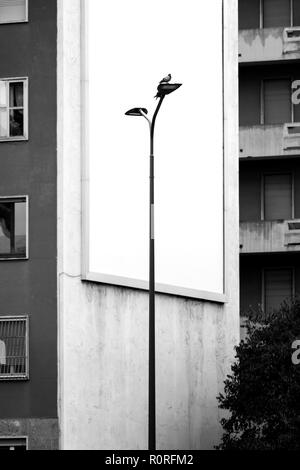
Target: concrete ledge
<point>160,288</point>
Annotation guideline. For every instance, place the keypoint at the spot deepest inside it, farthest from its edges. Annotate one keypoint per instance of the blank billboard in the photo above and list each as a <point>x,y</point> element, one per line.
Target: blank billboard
<point>129,47</point>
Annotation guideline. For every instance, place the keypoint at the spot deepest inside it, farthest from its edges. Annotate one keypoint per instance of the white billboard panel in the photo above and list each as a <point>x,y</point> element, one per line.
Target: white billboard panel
<point>131,45</point>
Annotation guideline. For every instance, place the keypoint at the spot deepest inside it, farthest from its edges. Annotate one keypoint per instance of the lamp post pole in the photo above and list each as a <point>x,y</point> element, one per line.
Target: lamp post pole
<point>152,375</point>
<point>163,90</point>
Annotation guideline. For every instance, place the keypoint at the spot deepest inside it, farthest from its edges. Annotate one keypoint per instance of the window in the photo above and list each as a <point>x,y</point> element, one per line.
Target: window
<point>13,348</point>
<point>278,287</point>
<point>267,102</point>
<point>13,443</point>
<point>14,109</point>
<point>254,14</point>
<point>278,197</point>
<point>13,11</point>
<point>277,13</point>
<point>250,101</point>
<point>249,14</point>
<point>277,101</point>
<point>13,228</point>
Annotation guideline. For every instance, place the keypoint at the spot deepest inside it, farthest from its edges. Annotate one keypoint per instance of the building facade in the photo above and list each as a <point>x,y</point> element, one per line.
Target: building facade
<point>73,350</point>
<point>28,220</point>
<point>269,56</point>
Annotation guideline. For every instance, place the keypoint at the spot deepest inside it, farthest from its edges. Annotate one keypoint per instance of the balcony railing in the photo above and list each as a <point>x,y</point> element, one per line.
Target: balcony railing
<point>270,140</point>
<point>270,236</point>
<point>269,44</point>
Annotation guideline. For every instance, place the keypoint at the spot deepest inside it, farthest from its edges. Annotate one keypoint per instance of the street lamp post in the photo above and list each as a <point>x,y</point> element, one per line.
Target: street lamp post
<point>163,90</point>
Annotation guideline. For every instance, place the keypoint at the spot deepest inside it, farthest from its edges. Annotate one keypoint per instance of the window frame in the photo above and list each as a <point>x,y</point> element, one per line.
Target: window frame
<point>25,135</point>
<point>26,257</point>
<point>276,268</point>
<point>18,21</point>
<point>262,15</point>
<point>20,377</point>
<point>263,198</point>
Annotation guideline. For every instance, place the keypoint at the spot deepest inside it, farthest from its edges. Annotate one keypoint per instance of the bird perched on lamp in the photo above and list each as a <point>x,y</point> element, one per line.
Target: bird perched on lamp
<point>167,79</point>
<point>163,82</point>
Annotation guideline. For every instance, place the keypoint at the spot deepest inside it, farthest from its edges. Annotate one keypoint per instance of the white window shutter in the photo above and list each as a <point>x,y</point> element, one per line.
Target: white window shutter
<point>13,11</point>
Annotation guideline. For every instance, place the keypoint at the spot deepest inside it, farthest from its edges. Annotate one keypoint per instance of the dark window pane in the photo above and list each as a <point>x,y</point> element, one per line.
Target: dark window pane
<point>16,95</point>
<point>297,113</point>
<point>249,102</point>
<point>278,197</point>
<point>278,288</point>
<point>277,13</point>
<point>249,17</point>
<point>296,13</point>
<point>12,229</point>
<point>277,101</point>
<point>16,122</point>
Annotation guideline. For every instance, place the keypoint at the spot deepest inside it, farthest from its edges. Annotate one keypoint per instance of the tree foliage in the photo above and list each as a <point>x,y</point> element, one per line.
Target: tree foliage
<point>262,395</point>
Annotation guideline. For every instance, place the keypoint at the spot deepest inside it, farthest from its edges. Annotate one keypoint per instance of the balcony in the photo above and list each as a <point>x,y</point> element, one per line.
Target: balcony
<point>270,236</point>
<point>270,44</point>
<point>270,140</point>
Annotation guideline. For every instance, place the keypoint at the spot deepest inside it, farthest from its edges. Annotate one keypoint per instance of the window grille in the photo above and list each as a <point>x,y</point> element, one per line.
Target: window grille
<point>13,348</point>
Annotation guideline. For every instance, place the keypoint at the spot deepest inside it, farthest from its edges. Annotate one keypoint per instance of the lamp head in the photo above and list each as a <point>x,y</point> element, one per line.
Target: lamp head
<point>136,112</point>
<point>164,89</point>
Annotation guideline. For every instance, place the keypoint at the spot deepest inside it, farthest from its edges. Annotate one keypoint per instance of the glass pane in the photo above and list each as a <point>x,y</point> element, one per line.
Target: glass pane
<point>277,97</point>
<point>20,228</point>
<point>3,99</point>
<point>12,229</point>
<point>296,14</point>
<point>6,217</point>
<point>3,122</point>
<point>249,14</point>
<point>278,288</point>
<point>249,102</point>
<point>16,122</point>
<point>16,95</point>
<point>277,13</point>
<point>278,197</point>
<point>12,10</point>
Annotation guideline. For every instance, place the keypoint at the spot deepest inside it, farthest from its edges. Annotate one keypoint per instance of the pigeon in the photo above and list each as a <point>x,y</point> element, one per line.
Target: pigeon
<point>166,79</point>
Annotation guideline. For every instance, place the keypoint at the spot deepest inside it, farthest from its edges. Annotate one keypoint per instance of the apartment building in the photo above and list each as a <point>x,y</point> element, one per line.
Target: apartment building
<point>73,333</point>
<point>28,220</point>
<point>269,54</point>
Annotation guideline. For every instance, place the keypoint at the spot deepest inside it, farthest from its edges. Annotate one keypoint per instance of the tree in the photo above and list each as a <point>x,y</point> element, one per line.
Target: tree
<point>262,395</point>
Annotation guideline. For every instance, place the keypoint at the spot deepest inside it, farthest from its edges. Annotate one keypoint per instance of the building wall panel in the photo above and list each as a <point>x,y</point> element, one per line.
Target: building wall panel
<point>29,168</point>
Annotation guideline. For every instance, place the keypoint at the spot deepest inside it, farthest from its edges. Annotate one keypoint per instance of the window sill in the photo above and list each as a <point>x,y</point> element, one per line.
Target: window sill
<point>14,378</point>
<point>13,139</point>
<point>14,22</point>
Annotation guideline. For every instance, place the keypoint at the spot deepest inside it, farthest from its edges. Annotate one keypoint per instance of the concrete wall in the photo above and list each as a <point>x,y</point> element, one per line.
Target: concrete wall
<point>29,168</point>
<point>103,330</point>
